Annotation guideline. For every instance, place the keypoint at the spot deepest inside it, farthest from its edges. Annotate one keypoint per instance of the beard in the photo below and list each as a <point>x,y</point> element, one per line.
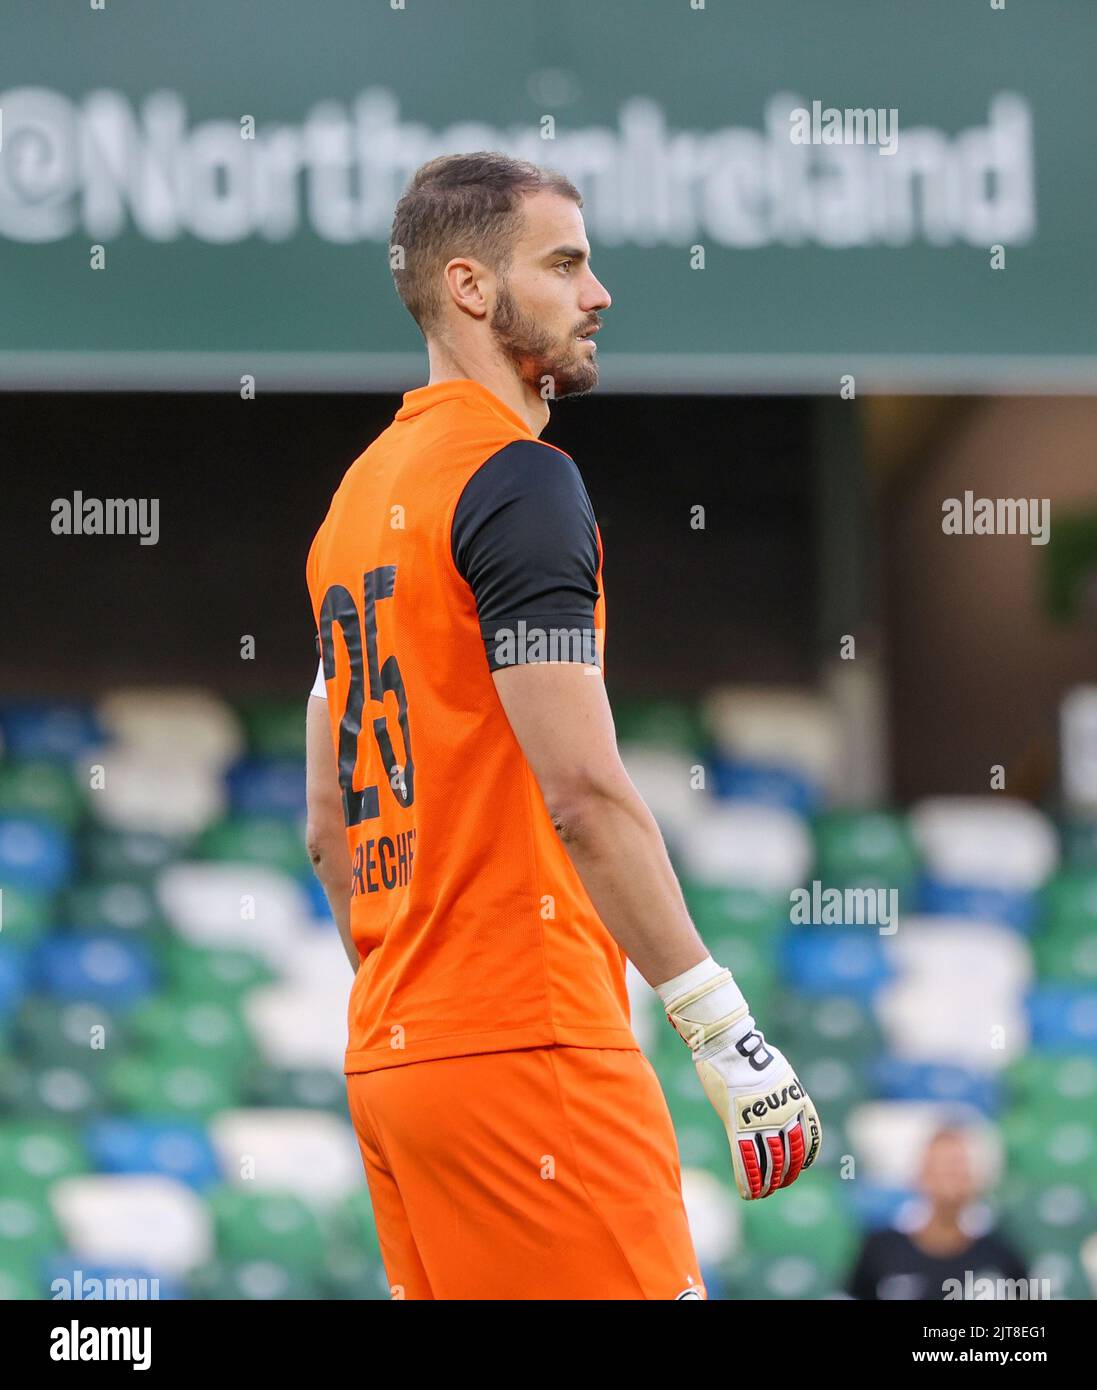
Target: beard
<point>537,354</point>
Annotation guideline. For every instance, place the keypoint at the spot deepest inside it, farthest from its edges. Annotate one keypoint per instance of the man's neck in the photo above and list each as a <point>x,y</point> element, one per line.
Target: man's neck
<point>499,378</point>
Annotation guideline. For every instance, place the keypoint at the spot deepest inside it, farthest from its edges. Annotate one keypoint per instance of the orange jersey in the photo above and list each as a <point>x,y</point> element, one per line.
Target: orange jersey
<point>474,930</point>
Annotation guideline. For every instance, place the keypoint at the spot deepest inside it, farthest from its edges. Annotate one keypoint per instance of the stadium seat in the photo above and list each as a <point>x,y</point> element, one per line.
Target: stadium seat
<point>35,1153</point>
<point>836,1025</point>
<point>298,1026</point>
<point>303,1151</point>
<point>1064,1018</point>
<point>71,1033</point>
<point>35,854</point>
<point>274,728</point>
<point>162,791</point>
<point>834,960</point>
<point>174,719</point>
<point>275,841</point>
<point>239,905</point>
<point>54,731</point>
<point>267,787</point>
<point>865,849</point>
<point>268,1227</point>
<point>103,968</point>
<point>770,784</point>
<point>41,790</point>
<point>774,727</point>
<point>133,1145</point>
<point>897,1078</point>
<point>985,841</point>
<point>112,906</point>
<point>669,724</point>
<point>741,843</point>
<point>148,1221</point>
<point>166,1088</point>
<point>810,1220</point>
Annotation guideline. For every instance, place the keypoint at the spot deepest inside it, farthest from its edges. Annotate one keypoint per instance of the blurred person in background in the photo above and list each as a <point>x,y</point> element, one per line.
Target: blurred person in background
<point>919,1262</point>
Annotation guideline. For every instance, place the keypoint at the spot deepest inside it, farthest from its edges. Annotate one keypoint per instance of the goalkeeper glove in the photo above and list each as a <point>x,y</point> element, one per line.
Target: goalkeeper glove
<point>771,1123</point>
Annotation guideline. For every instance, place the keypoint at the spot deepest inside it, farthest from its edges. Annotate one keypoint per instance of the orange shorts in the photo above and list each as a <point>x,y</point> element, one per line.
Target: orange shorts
<point>549,1173</point>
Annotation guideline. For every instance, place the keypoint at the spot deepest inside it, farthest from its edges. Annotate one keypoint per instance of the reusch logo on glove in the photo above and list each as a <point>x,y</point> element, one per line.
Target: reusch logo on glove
<point>761,1107</point>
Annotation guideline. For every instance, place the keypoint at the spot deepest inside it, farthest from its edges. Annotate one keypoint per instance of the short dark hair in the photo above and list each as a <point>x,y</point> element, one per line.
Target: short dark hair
<point>462,204</point>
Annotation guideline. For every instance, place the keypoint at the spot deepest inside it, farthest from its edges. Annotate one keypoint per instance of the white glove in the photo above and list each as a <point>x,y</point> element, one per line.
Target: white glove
<point>771,1123</point>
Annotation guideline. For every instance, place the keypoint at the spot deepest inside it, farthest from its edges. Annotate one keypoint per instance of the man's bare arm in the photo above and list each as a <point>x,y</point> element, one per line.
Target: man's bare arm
<point>562,720</point>
<point>326,833</point>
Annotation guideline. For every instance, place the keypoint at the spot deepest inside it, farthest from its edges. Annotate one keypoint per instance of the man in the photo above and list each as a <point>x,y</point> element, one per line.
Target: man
<point>501,864</point>
<point>939,1256</point>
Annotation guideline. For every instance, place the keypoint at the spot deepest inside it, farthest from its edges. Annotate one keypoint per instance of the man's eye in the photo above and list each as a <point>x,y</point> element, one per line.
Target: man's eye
<point>565,263</point>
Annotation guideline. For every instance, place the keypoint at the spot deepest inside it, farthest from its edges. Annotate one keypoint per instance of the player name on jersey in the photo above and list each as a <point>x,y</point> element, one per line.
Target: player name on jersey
<point>382,863</point>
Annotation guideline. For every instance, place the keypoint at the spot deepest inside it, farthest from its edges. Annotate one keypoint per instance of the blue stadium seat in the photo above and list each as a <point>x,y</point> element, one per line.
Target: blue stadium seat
<point>95,967</point>
<point>175,1148</point>
<point>765,782</point>
<point>1063,1018</point>
<point>41,729</point>
<point>1011,906</point>
<point>14,979</point>
<point>834,960</point>
<point>267,787</point>
<point>34,854</point>
<point>895,1078</point>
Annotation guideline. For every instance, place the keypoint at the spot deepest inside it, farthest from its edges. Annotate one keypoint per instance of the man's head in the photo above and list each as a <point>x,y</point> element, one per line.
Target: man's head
<point>491,256</point>
<point>949,1176</point>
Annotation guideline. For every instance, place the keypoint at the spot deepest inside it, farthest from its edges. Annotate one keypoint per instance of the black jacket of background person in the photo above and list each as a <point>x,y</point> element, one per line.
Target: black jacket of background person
<point>891,1266</point>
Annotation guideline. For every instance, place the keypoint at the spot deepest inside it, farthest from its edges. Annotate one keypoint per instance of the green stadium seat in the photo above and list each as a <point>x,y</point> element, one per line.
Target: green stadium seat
<point>80,1036</point>
<point>1047,1220</point>
<point>1070,902</point>
<point>1071,960</point>
<point>163,1087</point>
<point>200,974</point>
<point>192,1031</point>
<point>277,843</point>
<point>832,1026</point>
<point>254,1281</point>
<point>130,855</point>
<point>744,911</point>
<point>35,1153</point>
<point>305,1088</point>
<point>808,1219</point>
<point>28,1229</point>
<point>864,849</point>
<point>795,1277</point>
<point>1053,1150</point>
<point>1053,1086</point>
<point>275,1227</point>
<point>28,914</point>
<point>274,728</point>
<point>122,906</point>
<point>674,724</point>
<point>43,789</point>
<point>51,1092</point>
<point>19,1278</point>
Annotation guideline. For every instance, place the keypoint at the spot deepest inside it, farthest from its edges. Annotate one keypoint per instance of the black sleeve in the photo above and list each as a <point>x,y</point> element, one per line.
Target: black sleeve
<point>524,538</point>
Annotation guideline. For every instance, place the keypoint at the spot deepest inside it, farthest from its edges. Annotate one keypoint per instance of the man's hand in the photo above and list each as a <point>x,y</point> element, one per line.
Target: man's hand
<point>771,1123</point>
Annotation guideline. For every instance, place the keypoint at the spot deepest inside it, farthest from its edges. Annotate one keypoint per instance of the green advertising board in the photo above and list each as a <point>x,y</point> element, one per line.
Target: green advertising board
<point>777,195</point>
